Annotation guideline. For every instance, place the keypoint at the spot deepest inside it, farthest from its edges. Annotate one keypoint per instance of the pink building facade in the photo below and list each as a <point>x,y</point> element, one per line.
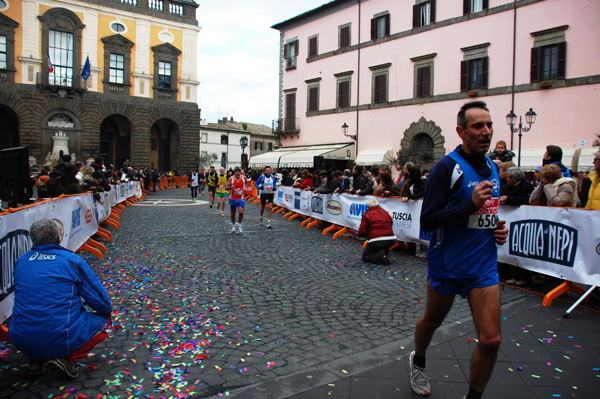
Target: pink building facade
<point>396,73</point>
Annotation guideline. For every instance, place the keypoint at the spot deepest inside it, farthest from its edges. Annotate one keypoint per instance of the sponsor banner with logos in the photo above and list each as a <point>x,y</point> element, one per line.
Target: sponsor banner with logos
<point>560,242</point>
<point>78,216</point>
<point>347,210</point>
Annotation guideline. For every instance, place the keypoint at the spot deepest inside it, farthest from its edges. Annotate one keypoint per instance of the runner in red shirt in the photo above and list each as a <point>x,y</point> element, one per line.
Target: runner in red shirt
<point>237,185</point>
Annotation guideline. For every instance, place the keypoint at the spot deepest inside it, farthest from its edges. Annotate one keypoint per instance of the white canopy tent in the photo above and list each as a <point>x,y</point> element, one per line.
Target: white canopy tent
<point>303,156</point>
<point>375,157</point>
<point>532,157</point>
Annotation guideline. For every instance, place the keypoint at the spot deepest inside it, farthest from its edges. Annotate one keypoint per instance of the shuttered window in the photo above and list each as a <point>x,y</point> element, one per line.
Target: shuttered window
<point>380,27</point>
<point>313,50</point>
<point>345,36</point>
<point>343,94</point>
<point>473,6</point>
<point>423,14</point>
<point>474,74</point>
<point>548,62</point>
<point>313,98</point>
<point>424,82</point>
<point>380,88</point>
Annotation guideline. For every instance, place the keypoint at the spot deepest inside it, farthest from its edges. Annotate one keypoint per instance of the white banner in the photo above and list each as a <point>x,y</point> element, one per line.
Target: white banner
<point>75,215</point>
<point>78,215</point>
<point>560,242</point>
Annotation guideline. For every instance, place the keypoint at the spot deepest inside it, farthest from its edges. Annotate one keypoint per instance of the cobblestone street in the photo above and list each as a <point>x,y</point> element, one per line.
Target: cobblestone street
<point>200,311</point>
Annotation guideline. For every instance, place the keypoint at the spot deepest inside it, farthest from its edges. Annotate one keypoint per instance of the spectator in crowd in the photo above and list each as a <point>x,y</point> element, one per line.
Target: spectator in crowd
<point>555,190</point>
<point>155,178</point>
<point>553,156</point>
<point>49,323</point>
<point>41,182</point>
<point>500,153</point>
<point>91,182</point>
<point>593,199</point>
<point>413,186</point>
<point>346,183</point>
<point>376,225</point>
<point>537,176</point>
<point>361,184</point>
<point>68,183</point>
<point>387,187</point>
<point>404,174</point>
<point>306,183</point>
<point>518,189</point>
<point>66,158</point>
<point>333,183</point>
<point>321,184</point>
<point>583,185</point>
<point>502,168</point>
<point>287,179</point>
<point>515,193</point>
<point>79,174</point>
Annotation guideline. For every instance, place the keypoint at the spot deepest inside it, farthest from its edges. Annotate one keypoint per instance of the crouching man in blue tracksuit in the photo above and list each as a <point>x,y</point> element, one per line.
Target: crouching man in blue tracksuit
<point>49,323</point>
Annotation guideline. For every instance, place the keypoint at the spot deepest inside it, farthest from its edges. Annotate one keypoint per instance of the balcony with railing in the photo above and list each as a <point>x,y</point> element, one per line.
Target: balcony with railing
<point>181,8</point>
<point>62,85</point>
<point>287,127</point>
<point>165,94</point>
<point>7,76</point>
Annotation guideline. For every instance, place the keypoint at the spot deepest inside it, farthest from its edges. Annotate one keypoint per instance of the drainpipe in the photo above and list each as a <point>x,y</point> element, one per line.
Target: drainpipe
<point>358,83</point>
<point>512,102</point>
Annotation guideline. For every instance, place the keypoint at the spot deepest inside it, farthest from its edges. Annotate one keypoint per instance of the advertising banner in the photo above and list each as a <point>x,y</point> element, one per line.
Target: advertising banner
<point>560,242</point>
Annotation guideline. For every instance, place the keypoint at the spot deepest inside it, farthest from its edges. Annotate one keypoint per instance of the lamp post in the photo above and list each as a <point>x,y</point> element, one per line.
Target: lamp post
<point>243,144</point>
<point>511,120</point>
<point>345,131</point>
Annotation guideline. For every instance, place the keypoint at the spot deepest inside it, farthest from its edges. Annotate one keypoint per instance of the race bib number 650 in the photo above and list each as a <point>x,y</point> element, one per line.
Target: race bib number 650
<point>486,217</point>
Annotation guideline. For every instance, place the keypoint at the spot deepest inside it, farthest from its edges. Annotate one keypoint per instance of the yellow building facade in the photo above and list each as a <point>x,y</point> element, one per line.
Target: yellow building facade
<point>135,100</point>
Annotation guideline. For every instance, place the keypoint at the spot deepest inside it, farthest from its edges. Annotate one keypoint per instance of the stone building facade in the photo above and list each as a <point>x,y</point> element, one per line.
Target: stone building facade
<point>138,102</point>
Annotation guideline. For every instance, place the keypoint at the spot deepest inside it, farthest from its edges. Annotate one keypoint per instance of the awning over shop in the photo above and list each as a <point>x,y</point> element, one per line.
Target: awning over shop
<point>269,158</point>
<point>532,157</point>
<point>304,156</point>
<point>375,157</point>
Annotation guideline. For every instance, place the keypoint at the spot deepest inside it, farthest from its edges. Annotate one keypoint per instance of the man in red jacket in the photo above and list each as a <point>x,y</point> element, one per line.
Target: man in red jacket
<point>376,226</point>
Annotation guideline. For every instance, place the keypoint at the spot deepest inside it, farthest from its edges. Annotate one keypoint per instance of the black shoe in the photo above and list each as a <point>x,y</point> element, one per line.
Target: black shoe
<point>65,366</point>
<point>36,367</point>
<point>211,205</point>
<point>383,258</point>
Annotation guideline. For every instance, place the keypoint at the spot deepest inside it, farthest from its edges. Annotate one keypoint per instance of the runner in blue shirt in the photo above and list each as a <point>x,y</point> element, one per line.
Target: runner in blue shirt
<point>460,206</point>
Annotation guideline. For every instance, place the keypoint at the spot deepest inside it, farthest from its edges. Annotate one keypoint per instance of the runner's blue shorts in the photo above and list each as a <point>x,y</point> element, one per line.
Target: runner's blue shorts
<point>234,204</point>
<point>462,286</point>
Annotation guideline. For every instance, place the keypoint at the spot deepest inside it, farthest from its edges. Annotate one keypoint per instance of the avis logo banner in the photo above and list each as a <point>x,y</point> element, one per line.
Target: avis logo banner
<point>544,240</point>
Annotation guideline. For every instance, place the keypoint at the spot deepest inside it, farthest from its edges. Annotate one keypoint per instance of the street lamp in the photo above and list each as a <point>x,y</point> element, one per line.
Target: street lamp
<point>511,120</point>
<point>345,131</point>
<point>243,144</point>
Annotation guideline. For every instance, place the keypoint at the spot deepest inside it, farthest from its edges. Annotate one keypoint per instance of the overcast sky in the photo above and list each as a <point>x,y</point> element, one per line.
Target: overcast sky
<point>238,57</point>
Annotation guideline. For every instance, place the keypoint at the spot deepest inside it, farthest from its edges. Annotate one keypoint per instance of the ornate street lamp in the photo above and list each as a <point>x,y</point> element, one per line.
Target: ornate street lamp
<point>511,120</point>
<point>345,131</point>
<point>243,144</point>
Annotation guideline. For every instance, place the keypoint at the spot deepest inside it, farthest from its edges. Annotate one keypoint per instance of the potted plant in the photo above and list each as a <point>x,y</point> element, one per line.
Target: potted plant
<point>545,83</point>
<point>472,93</point>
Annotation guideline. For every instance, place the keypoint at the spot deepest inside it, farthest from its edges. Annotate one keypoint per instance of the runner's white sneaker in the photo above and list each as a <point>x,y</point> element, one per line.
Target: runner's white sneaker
<point>240,231</point>
<point>260,220</point>
<point>268,224</point>
<point>233,228</point>
<point>418,380</point>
